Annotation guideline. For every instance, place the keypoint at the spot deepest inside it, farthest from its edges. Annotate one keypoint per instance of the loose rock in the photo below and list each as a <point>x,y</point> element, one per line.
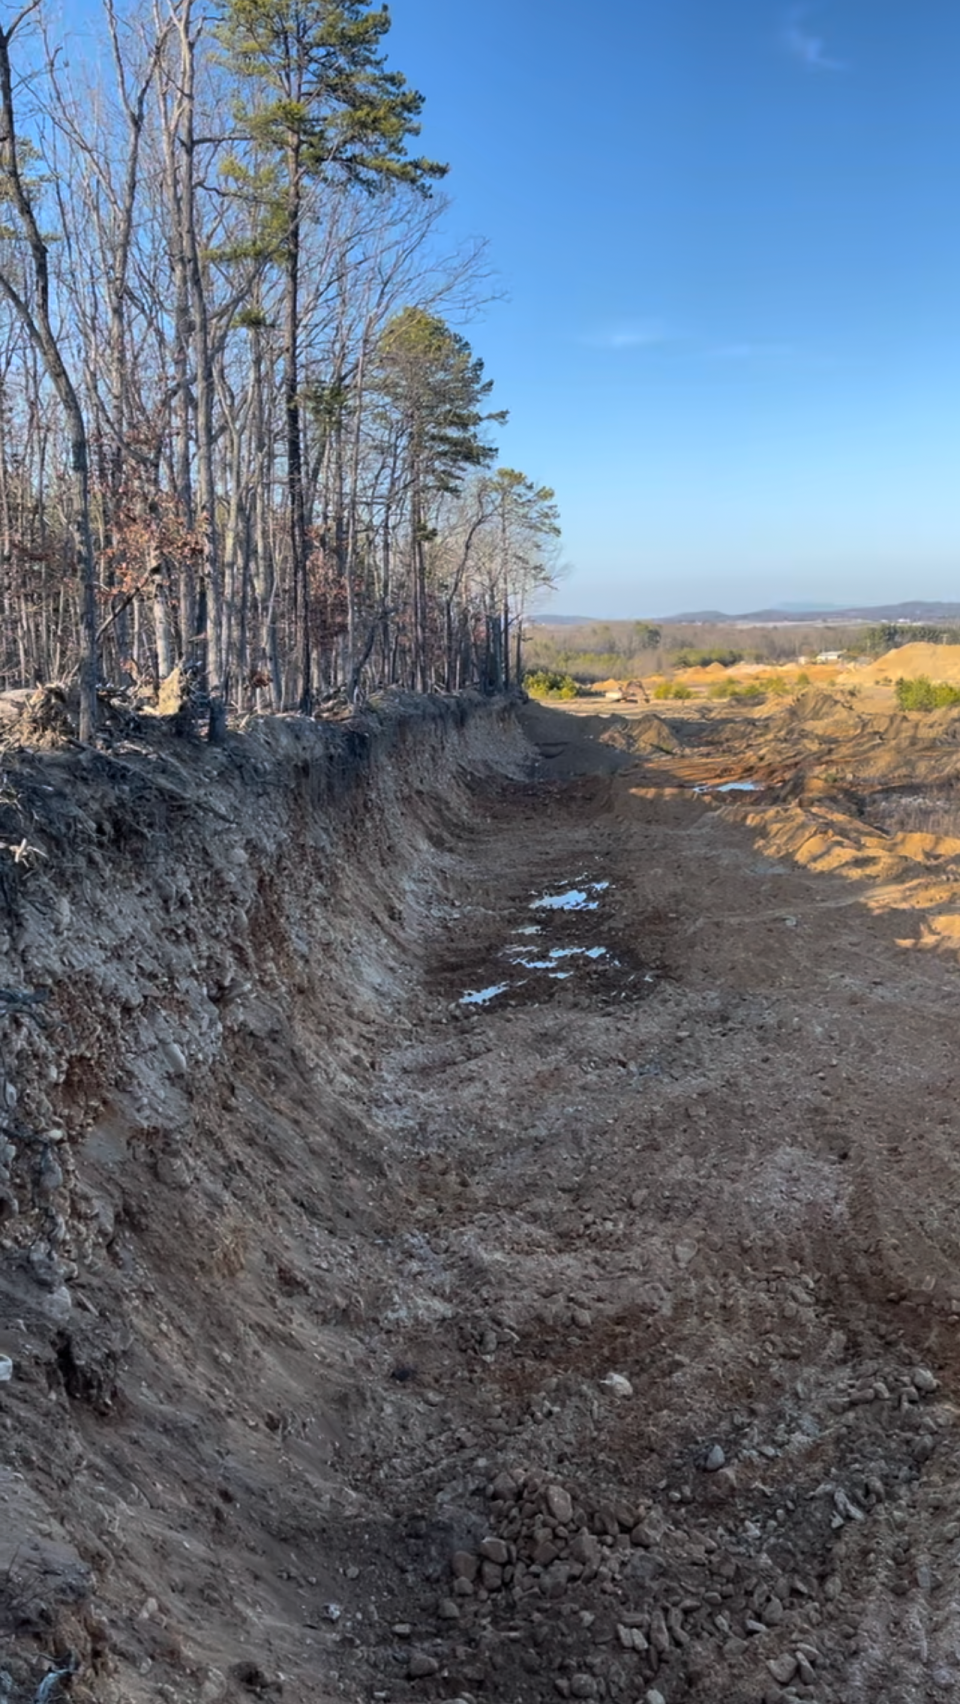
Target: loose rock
<point>420,1666</point>
<point>559,1504</point>
<point>783,1668</point>
<point>583,1686</point>
<point>617,1385</point>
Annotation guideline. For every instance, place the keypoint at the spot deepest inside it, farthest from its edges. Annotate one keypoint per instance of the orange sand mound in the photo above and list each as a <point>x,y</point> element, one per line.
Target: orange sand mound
<point>937,662</point>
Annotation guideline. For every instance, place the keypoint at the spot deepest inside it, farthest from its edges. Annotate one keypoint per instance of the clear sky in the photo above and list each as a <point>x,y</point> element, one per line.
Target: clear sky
<point>729,231</point>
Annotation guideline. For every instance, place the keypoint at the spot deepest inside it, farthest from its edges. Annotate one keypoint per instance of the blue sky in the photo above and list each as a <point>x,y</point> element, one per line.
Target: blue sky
<point>729,231</point>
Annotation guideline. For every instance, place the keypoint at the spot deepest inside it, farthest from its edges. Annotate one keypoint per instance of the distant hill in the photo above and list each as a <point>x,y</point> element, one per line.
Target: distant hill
<point>712,615</point>
<point>804,614</point>
<point>803,609</point>
<point>565,620</point>
<point>831,613</point>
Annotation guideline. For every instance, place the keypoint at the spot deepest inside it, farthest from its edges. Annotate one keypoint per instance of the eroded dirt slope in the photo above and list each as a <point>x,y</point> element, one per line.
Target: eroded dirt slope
<point>590,1338</point>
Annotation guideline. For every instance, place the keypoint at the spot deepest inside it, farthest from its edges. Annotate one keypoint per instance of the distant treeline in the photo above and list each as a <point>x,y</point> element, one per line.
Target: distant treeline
<point>618,649</point>
<point>888,635</point>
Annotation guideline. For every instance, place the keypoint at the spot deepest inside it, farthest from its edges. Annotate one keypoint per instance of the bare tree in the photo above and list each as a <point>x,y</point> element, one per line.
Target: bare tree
<point>36,319</point>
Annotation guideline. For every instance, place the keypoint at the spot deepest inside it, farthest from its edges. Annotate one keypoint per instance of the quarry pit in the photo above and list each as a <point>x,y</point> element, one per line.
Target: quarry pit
<point>595,1339</point>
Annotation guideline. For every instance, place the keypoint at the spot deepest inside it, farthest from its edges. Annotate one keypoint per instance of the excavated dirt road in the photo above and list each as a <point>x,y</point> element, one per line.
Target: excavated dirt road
<point>596,1339</point>
<point>670,1410</point>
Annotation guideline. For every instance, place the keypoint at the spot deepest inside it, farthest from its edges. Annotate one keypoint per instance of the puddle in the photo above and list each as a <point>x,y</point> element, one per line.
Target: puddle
<point>556,953</point>
<point>575,899</point>
<point>525,950</point>
<point>482,995</point>
<point>730,787</point>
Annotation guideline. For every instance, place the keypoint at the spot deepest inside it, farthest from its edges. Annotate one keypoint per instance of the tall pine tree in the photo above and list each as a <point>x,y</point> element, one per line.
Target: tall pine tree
<point>322,107</point>
<point>434,389</point>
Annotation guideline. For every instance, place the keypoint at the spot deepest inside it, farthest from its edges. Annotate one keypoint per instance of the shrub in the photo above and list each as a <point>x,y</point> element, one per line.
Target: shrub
<point>803,679</point>
<point>777,685</point>
<point>924,694</point>
<point>736,689</point>
<point>549,683</point>
<point>672,689</point>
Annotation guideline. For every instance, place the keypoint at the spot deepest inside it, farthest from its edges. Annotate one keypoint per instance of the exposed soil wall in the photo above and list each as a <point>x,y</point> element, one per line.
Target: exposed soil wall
<point>481,1219</point>
<point>200,951</point>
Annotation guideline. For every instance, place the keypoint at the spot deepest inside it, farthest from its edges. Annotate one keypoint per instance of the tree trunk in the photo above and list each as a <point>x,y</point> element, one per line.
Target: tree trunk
<point>37,323</point>
<point>291,390</point>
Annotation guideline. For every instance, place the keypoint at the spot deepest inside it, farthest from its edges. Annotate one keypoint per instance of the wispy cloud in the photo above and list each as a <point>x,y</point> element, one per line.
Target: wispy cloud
<point>801,42</point>
<point>633,334</point>
<point>754,352</point>
<point>768,357</point>
<point>698,346</point>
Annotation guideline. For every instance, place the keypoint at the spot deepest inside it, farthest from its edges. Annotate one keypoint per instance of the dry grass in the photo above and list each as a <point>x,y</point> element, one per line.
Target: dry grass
<point>918,813</point>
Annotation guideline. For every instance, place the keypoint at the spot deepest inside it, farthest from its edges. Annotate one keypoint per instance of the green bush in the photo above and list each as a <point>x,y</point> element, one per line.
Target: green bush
<point>924,694</point>
<point>776,685</point>
<point>736,689</point>
<point>547,683</point>
<point>803,679</point>
<point>672,689</point>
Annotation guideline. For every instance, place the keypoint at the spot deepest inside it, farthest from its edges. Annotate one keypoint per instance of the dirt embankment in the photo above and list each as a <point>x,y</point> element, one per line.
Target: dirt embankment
<point>481,1218</point>
<point>201,954</point>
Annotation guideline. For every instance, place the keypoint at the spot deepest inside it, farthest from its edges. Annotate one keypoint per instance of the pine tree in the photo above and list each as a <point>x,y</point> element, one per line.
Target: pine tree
<point>323,107</point>
<point>434,388</point>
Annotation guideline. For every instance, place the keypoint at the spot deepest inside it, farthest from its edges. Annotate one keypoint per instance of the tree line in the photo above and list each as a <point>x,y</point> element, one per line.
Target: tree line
<point>621,649</point>
<point>240,428</point>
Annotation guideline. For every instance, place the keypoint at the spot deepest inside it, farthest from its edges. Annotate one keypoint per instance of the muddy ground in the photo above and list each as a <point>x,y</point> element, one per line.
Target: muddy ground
<point>593,1339</point>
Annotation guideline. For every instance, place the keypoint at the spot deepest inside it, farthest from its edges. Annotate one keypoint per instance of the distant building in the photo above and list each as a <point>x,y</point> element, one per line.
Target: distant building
<point>829,656</point>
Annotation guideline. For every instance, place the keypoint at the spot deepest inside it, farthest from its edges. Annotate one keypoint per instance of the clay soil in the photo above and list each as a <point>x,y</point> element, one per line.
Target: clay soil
<point>595,1340</point>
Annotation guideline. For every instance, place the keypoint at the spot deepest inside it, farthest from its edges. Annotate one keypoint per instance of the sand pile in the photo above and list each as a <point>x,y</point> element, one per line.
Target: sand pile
<point>641,733</point>
<point>705,674</point>
<point>829,713</point>
<point>937,662</point>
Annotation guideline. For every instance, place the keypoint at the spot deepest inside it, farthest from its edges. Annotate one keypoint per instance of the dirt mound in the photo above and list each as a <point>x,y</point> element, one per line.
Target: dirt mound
<point>570,744</point>
<point>703,673</point>
<point>648,732</point>
<point>938,662</point>
<point>824,709</point>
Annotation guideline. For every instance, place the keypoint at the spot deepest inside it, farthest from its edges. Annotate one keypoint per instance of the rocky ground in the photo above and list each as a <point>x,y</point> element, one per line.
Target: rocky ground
<point>539,1280</point>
